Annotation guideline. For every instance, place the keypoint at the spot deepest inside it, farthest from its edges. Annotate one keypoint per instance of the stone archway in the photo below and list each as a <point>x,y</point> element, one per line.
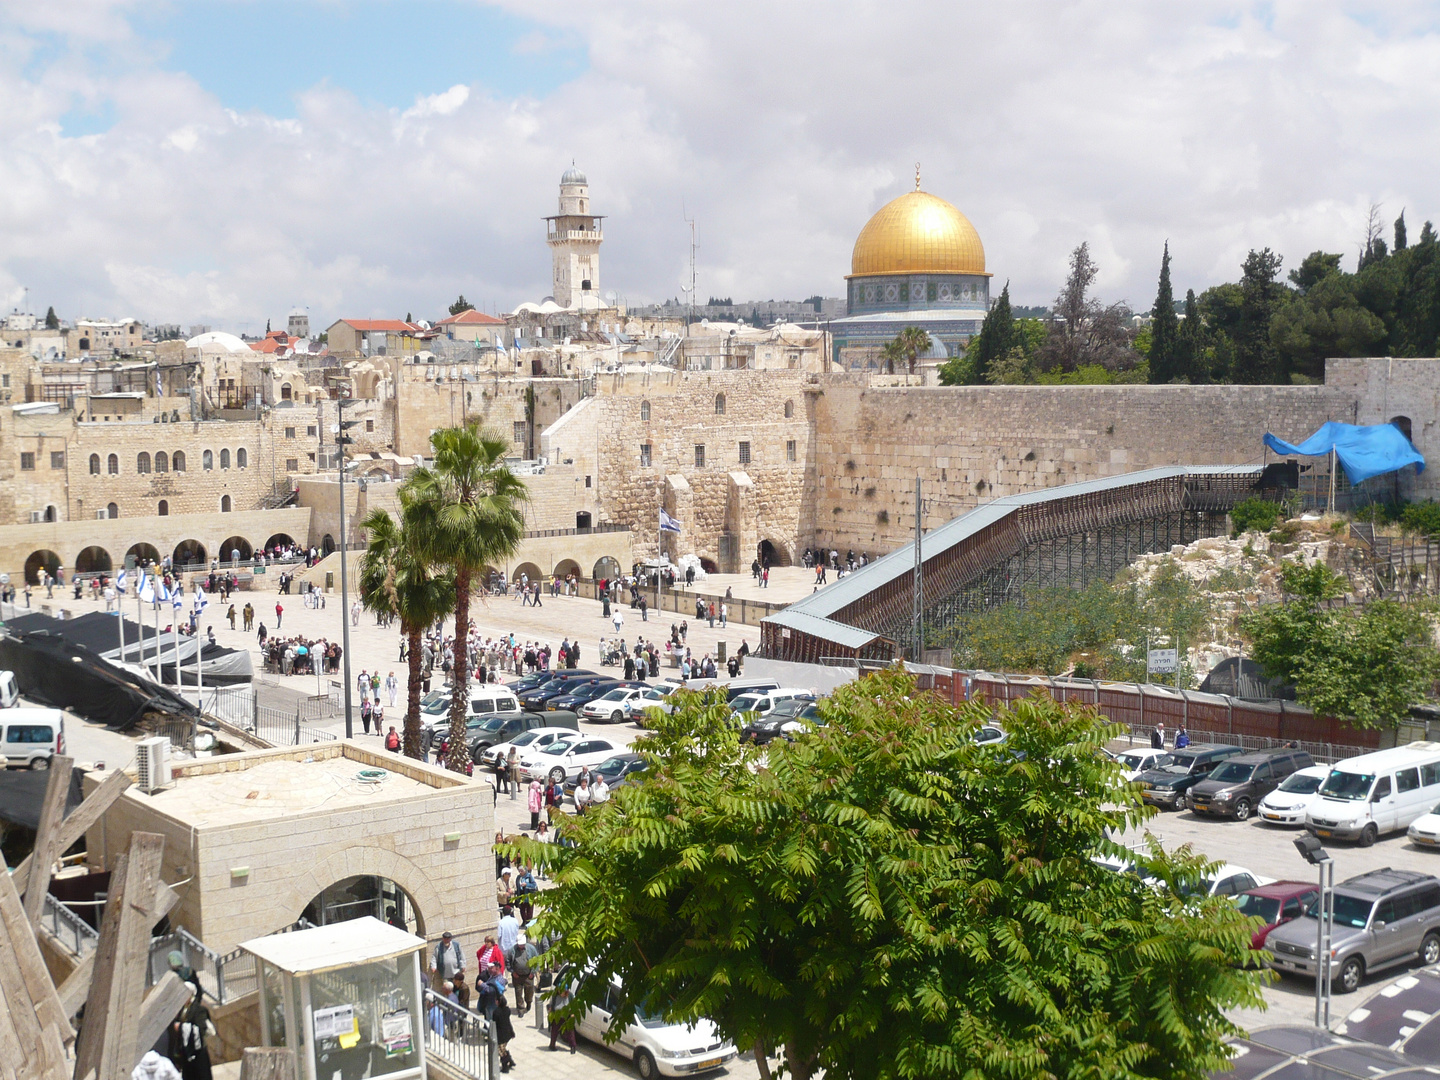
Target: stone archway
<point>527,568</point>
<point>143,554</point>
<point>280,540</point>
<point>94,560</point>
<point>41,562</point>
<point>233,544</point>
<point>292,896</point>
<point>775,552</point>
<point>188,553</point>
<point>567,566</point>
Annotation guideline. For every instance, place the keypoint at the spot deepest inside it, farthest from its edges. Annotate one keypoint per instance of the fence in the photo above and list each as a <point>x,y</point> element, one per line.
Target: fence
<point>283,727</point>
<point>225,978</point>
<point>462,1039</point>
<point>69,929</point>
<point>681,601</point>
<point>1141,707</point>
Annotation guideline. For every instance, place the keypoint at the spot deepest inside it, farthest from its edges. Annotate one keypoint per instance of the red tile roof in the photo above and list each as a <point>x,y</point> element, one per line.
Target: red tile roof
<point>397,326</point>
<point>275,339</point>
<point>472,317</point>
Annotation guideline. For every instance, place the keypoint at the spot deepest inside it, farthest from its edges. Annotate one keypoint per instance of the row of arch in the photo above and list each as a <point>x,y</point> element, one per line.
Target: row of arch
<point>162,508</point>
<point>96,559</point>
<point>719,408</point>
<point>163,462</point>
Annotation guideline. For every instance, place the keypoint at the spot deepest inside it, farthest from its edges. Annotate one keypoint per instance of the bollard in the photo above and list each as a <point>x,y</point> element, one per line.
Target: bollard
<point>514,783</point>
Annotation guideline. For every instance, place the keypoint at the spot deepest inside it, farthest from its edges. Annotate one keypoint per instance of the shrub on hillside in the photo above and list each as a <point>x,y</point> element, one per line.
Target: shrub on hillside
<point>1254,515</point>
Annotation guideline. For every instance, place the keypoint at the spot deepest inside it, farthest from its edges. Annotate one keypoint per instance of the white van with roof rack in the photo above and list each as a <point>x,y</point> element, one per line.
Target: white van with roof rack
<point>1373,794</point>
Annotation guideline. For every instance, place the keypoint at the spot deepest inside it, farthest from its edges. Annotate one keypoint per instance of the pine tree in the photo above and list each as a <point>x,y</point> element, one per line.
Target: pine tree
<point>1164,328</point>
<point>52,321</point>
<point>1189,344</point>
<point>997,335</point>
<point>1256,360</point>
<point>461,305</point>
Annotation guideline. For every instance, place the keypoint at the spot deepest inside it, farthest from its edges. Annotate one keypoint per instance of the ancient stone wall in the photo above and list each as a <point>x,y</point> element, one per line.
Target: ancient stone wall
<point>429,398</point>
<point>1405,393</point>
<point>972,444</point>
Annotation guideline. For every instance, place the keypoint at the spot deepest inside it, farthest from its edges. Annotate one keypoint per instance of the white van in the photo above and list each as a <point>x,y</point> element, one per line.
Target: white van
<point>9,690</point>
<point>490,697</point>
<point>1377,793</point>
<point>30,736</point>
<point>759,703</point>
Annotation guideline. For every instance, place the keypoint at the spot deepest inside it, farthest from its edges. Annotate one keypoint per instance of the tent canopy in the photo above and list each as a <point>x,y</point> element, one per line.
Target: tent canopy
<point>1364,450</point>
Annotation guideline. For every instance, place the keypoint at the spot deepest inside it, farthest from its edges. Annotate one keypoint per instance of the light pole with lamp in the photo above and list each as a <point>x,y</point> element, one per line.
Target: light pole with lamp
<point>341,441</point>
<point>1309,846</point>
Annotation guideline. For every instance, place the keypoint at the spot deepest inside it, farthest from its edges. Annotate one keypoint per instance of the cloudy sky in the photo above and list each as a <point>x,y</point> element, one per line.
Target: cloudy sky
<point>223,161</point>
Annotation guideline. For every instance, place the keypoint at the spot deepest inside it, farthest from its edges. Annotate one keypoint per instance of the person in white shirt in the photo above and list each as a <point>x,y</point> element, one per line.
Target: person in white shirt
<point>392,687</point>
<point>599,790</point>
<point>582,797</point>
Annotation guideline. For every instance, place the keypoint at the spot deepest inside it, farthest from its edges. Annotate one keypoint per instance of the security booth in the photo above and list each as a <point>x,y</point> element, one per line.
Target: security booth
<point>346,998</point>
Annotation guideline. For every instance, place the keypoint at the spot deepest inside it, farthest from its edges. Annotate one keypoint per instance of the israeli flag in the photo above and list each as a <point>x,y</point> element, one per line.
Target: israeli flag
<point>162,591</point>
<point>177,598</point>
<point>201,600</point>
<point>146,591</point>
<point>120,583</point>
<point>668,523</point>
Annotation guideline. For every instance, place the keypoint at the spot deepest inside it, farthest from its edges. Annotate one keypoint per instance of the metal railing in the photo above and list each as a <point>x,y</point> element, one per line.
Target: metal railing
<point>1322,753</point>
<point>598,527</point>
<point>463,1039</point>
<point>281,727</point>
<point>69,929</point>
<point>224,978</point>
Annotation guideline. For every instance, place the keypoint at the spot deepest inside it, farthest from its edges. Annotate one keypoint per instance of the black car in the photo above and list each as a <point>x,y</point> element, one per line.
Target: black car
<point>784,721</point>
<point>616,770</point>
<point>1166,786</point>
<point>575,696</point>
<point>1234,789</point>
<point>523,686</point>
<point>502,727</point>
<point>535,700</point>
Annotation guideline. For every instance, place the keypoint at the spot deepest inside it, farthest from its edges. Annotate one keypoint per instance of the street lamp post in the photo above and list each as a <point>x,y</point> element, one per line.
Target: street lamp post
<point>1309,847</point>
<point>341,441</point>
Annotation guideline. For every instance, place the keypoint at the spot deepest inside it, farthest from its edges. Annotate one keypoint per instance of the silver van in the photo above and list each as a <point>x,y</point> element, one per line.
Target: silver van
<point>1382,918</point>
<point>31,736</point>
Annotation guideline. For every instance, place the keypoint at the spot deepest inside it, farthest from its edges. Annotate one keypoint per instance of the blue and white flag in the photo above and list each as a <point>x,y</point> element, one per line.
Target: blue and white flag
<point>201,600</point>
<point>146,592</point>
<point>162,591</point>
<point>177,597</point>
<point>120,583</point>
<point>668,523</point>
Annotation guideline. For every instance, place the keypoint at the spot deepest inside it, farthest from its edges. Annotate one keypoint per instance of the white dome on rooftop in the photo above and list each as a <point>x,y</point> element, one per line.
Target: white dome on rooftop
<point>217,341</point>
<point>573,176</point>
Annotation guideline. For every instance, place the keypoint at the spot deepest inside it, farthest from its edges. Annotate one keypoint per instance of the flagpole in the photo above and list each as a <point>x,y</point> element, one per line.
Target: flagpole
<point>175,634</point>
<point>120,618</point>
<point>199,646</point>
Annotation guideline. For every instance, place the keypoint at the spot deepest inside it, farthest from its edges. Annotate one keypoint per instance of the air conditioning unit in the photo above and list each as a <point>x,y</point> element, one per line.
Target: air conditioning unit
<point>36,516</point>
<point>152,762</point>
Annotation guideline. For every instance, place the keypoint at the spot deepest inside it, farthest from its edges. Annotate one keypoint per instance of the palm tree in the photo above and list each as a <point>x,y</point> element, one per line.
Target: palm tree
<point>910,343</point>
<point>466,515</point>
<point>397,581</point>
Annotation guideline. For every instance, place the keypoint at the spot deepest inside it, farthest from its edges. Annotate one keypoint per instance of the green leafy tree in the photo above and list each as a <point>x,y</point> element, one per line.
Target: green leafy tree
<point>905,348</point>
<point>1370,667</point>
<point>52,321</point>
<point>1164,350</point>
<point>396,580</point>
<point>1253,515</point>
<point>1315,268</point>
<point>1256,359</point>
<point>461,305</point>
<point>466,511</point>
<point>1327,320</point>
<point>1190,363</point>
<point>1283,635</point>
<point>1401,238</point>
<point>1015,368</point>
<point>1422,518</point>
<point>884,898</point>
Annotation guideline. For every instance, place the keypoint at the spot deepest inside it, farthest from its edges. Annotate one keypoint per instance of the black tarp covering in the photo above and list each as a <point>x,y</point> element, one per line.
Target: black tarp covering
<point>22,793</point>
<point>53,671</point>
<point>98,632</point>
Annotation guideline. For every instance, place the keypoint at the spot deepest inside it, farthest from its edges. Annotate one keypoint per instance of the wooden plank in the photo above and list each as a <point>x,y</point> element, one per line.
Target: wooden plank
<point>44,1008</point>
<point>268,1063</point>
<point>82,817</point>
<point>76,986</point>
<point>165,999</point>
<point>42,861</point>
<point>112,1011</point>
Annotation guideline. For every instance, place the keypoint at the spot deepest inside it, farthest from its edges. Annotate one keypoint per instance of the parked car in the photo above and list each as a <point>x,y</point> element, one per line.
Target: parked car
<point>9,690</point>
<point>575,696</point>
<point>1139,760</point>
<point>657,1048</point>
<point>32,736</point>
<point>563,757</point>
<point>1228,880</point>
<point>786,720</point>
<point>748,686</point>
<point>654,698</point>
<point>538,738</point>
<point>485,700</point>
<point>1167,785</point>
<point>1366,796</point>
<point>616,770</point>
<point>1233,788</point>
<point>611,704</point>
<point>1286,805</point>
<point>1277,903</point>
<point>747,707</point>
<point>503,727</point>
<point>536,700</point>
<point>1424,831</point>
<point>1383,918</point>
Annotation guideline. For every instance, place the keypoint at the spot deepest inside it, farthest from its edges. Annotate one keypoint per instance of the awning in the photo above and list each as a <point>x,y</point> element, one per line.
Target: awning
<point>1363,450</point>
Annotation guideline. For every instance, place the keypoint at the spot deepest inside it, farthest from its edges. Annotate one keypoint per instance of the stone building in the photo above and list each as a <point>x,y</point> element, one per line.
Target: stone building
<point>574,236</point>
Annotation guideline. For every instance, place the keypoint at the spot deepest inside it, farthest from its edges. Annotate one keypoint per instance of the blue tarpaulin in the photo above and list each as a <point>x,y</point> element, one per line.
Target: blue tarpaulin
<point>1364,451</point>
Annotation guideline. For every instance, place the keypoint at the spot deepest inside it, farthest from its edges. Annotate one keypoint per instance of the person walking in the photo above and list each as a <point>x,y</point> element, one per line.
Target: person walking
<point>231,616</point>
<point>522,975</point>
<point>392,688</point>
<point>446,960</point>
<point>279,614</point>
<point>392,739</point>
<point>536,802</point>
<point>559,998</point>
<point>724,614</point>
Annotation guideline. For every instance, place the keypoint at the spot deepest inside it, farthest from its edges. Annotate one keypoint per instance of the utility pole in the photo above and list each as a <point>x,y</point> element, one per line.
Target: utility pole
<point>341,441</point>
<point>917,613</point>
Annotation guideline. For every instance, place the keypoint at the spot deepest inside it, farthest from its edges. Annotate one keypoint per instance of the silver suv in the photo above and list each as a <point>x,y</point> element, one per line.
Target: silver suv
<point>1382,918</point>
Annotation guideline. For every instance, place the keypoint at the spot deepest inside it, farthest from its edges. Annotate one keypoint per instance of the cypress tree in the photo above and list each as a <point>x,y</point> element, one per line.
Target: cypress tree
<point>1164,328</point>
<point>52,321</point>
<point>997,334</point>
<point>1401,241</point>
<point>1189,344</point>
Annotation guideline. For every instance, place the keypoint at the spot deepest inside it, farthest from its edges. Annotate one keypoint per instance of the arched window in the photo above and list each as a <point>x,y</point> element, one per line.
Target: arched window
<point>162,462</point>
<point>177,461</point>
<point>113,465</point>
<point>94,464</point>
<point>224,459</point>
<point>285,392</point>
<point>241,458</point>
<point>112,510</point>
<point>207,461</point>
<point>1402,424</point>
<point>142,462</point>
<point>224,504</point>
<point>163,509</point>
<point>645,410</point>
<point>719,404</point>
<point>789,409</point>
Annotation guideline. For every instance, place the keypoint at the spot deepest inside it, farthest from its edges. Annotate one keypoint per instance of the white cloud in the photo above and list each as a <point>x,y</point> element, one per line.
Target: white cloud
<point>780,128</point>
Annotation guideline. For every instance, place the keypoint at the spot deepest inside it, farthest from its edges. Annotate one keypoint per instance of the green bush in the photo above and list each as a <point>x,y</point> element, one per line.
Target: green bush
<point>1254,515</point>
<point>1382,513</point>
<point>1422,518</point>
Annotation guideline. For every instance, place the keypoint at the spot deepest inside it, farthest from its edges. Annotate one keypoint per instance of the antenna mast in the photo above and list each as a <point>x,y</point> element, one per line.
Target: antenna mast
<point>693,245</point>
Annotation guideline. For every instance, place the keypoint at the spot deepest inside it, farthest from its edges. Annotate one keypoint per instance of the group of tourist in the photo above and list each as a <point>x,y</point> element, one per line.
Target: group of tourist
<point>297,655</point>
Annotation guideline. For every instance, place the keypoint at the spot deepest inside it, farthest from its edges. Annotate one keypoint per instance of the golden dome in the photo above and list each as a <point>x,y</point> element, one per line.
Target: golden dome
<point>917,233</point>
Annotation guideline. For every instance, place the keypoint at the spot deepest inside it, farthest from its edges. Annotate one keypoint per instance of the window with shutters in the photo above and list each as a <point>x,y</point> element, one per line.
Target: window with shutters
<point>112,465</point>
<point>142,462</point>
<point>744,453</point>
<point>699,457</point>
<point>644,456</point>
<point>790,450</point>
<point>27,461</point>
<point>94,464</point>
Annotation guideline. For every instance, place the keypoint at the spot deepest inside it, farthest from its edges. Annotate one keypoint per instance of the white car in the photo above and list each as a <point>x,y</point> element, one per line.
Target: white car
<point>1286,805</point>
<point>657,1048</point>
<point>761,703</point>
<point>654,698</point>
<point>536,739</point>
<point>611,704</point>
<point>563,758</point>
<point>1134,762</point>
<point>1425,830</point>
<point>9,690</point>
